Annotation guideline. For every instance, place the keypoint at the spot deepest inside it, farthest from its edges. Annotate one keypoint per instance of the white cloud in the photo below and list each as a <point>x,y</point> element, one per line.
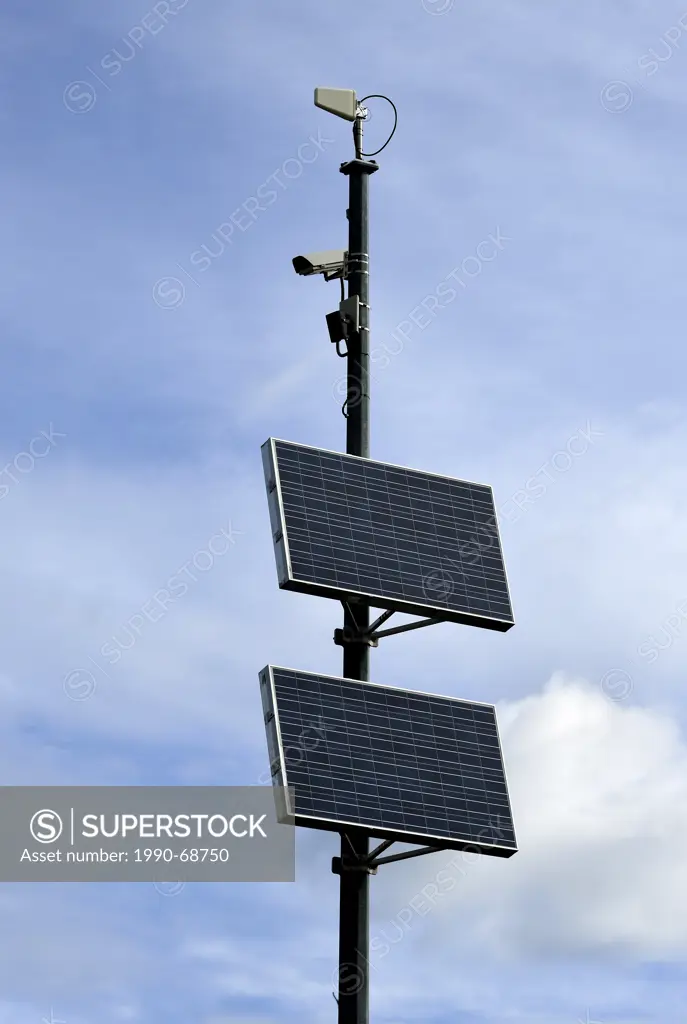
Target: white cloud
<point>599,795</point>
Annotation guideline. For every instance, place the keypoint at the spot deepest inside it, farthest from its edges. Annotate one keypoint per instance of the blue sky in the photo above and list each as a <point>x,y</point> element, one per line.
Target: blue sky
<point>130,136</point>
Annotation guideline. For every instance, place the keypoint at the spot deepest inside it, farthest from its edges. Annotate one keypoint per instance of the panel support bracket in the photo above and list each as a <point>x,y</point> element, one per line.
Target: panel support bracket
<point>371,636</point>
<point>375,862</point>
<point>408,626</point>
<point>370,863</point>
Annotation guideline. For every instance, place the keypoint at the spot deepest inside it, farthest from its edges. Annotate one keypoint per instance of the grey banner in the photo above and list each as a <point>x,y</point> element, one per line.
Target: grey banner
<point>163,834</point>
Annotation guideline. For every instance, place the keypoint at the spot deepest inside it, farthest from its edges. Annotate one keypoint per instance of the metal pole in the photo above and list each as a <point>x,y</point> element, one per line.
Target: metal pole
<point>353,1000</point>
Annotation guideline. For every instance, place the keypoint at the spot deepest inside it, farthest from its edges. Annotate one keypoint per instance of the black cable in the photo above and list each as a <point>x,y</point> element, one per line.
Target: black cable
<point>378,96</point>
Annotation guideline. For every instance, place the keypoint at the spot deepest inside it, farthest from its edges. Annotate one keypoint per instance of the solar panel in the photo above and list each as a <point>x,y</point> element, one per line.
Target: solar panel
<point>389,762</point>
<point>406,541</point>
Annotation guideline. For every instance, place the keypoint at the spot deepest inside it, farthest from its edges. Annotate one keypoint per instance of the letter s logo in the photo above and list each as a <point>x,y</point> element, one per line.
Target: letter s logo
<point>46,826</point>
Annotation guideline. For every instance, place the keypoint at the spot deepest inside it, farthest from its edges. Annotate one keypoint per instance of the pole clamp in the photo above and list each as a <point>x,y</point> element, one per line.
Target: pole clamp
<point>346,864</point>
<point>345,636</point>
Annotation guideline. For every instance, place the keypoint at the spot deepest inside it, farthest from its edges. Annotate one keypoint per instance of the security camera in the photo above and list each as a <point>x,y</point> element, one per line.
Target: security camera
<point>331,263</point>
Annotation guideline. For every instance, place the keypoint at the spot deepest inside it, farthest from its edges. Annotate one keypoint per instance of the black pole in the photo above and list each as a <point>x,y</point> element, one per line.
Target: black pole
<point>353,998</point>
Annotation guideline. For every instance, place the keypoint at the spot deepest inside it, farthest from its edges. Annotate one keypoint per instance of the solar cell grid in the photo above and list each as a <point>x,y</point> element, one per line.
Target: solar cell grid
<point>426,768</point>
<point>407,540</point>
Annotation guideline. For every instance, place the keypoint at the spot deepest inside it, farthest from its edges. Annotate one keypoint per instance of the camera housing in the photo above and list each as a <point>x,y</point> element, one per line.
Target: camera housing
<point>331,263</point>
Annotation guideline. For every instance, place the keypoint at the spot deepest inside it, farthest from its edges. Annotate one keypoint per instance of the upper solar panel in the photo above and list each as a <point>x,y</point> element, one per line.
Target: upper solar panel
<point>392,763</point>
<point>403,540</point>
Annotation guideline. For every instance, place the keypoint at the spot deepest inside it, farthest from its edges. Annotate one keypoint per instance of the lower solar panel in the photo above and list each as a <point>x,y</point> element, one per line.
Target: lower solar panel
<point>389,762</point>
